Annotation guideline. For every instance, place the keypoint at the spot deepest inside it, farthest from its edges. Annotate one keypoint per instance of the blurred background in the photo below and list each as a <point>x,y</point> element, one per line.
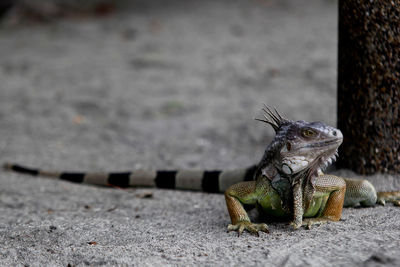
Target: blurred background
<point>164,84</point>
<point>159,84</point>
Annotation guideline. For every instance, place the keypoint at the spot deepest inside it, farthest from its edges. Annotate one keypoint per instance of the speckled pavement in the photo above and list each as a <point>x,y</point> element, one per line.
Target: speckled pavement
<point>168,84</point>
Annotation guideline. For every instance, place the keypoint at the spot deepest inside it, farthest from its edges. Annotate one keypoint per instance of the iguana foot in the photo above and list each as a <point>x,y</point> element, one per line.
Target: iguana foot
<point>314,221</point>
<point>309,222</point>
<point>252,228</point>
<point>391,197</point>
<point>296,225</point>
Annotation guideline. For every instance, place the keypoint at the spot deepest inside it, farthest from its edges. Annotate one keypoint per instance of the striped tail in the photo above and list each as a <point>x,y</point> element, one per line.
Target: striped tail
<point>214,181</point>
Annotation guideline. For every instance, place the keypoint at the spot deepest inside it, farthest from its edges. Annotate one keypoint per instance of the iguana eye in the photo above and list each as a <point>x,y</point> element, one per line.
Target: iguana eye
<point>308,133</point>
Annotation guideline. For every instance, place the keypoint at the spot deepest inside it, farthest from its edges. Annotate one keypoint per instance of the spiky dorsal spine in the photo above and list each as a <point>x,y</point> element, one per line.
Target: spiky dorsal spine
<point>274,118</point>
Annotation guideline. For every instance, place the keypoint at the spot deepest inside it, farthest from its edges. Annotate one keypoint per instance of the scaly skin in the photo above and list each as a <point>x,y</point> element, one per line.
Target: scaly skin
<point>326,204</point>
<point>290,182</point>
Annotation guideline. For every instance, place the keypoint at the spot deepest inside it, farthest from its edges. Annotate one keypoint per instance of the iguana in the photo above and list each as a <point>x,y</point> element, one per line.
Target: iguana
<point>288,181</point>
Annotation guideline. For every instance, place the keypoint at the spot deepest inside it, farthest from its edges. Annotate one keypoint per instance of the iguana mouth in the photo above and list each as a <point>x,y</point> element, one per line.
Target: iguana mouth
<point>325,143</point>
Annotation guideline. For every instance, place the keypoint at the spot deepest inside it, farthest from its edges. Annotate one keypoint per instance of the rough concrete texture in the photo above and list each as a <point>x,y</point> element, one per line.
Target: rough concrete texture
<point>168,85</point>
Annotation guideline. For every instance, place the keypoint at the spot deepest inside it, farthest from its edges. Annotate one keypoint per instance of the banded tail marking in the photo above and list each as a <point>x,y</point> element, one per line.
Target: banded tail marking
<point>213,181</point>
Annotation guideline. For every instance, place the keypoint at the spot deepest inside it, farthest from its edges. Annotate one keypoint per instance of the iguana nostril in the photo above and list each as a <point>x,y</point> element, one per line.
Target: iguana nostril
<point>334,133</point>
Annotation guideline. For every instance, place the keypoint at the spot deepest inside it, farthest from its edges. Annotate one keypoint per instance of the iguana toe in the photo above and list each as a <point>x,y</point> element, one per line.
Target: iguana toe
<point>313,221</point>
<point>297,224</point>
<point>252,228</point>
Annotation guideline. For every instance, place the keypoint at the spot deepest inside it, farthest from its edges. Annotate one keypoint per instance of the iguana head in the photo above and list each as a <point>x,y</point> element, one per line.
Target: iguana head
<point>301,146</point>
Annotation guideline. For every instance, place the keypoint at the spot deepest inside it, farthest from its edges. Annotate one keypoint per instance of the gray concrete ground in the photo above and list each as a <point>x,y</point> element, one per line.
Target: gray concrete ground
<point>168,84</point>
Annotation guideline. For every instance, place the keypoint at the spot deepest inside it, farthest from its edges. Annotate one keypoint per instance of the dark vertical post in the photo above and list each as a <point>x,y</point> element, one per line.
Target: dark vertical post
<point>369,85</point>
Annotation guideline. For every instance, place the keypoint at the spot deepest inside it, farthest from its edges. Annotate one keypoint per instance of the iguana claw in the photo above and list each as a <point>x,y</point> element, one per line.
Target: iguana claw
<point>307,223</point>
<point>314,221</point>
<point>252,228</point>
<point>296,225</point>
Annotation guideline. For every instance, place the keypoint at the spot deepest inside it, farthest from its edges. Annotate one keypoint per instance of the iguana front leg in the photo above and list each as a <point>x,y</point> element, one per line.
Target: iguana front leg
<point>333,192</point>
<point>327,202</point>
<point>298,211</point>
<point>236,196</point>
